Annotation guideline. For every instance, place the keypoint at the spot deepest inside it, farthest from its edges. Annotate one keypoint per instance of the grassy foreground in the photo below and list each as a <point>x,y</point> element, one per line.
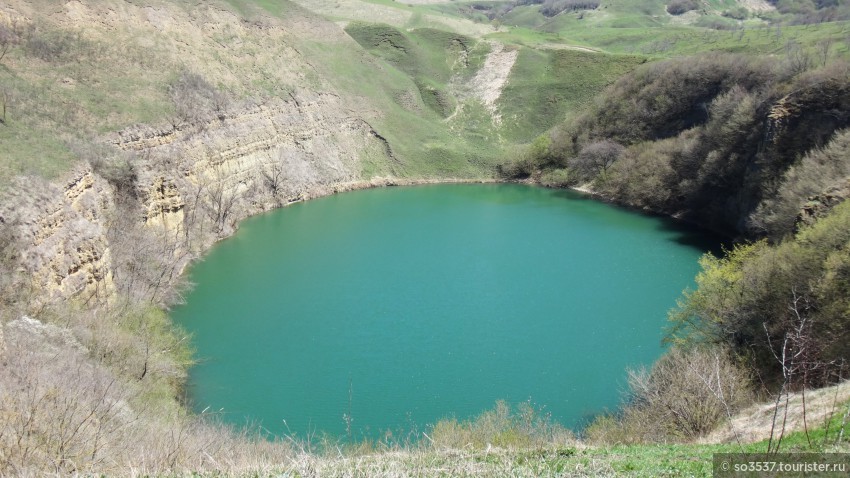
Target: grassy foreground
<point>524,451</point>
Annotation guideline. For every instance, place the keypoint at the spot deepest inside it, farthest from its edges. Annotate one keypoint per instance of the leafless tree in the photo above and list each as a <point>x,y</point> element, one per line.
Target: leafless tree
<point>146,260</point>
<point>273,178</point>
<point>61,412</point>
<point>596,158</point>
<point>824,47</point>
<point>195,100</point>
<point>797,58</point>
<point>798,358</point>
<point>4,99</point>
<point>9,262</point>
<point>219,202</point>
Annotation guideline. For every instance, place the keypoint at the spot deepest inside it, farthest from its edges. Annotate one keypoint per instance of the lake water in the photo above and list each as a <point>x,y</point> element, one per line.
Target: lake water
<point>401,306</point>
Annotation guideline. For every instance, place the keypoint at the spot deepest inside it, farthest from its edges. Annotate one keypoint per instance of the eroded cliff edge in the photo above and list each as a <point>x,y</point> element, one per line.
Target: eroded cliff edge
<point>140,202</point>
<point>185,188</point>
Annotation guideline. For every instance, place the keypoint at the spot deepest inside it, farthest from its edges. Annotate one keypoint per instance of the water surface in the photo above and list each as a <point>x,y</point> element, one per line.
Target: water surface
<point>401,306</point>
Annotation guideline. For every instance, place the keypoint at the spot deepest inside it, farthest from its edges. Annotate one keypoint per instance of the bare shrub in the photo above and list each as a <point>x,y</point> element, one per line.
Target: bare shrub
<point>683,396</point>
<point>9,252</point>
<point>146,261</point>
<point>10,36</point>
<point>61,413</point>
<point>139,343</point>
<point>273,178</point>
<point>526,426</point>
<point>195,99</point>
<point>219,203</point>
<point>797,59</point>
<point>54,45</point>
<point>103,401</point>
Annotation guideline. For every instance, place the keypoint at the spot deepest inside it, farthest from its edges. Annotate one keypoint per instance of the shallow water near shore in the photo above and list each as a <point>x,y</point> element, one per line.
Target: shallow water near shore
<point>400,306</point>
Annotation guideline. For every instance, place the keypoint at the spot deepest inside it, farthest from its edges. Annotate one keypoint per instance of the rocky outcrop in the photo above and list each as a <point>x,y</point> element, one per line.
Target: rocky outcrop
<point>819,206</point>
<point>63,234</point>
<point>193,183</point>
<point>249,160</point>
<point>191,179</point>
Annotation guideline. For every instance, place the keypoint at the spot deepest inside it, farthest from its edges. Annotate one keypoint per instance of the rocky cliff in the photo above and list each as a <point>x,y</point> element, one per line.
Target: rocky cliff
<point>190,184</point>
<point>186,180</point>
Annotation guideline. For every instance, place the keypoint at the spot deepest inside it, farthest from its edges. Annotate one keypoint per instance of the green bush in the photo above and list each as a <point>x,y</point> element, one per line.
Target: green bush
<point>678,7</point>
<point>785,306</point>
<point>738,13</point>
<point>557,178</point>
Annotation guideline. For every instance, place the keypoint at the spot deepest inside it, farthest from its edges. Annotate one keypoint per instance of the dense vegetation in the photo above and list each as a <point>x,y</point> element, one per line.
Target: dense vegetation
<point>756,148</point>
<point>813,11</point>
<point>708,138</point>
<point>786,307</point>
<point>773,315</point>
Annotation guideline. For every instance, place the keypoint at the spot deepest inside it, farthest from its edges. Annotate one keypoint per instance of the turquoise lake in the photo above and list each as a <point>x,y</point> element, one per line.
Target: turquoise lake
<point>401,306</point>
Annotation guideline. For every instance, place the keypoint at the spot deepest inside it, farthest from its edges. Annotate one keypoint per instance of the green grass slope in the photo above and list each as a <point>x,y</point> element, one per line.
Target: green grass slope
<point>546,86</point>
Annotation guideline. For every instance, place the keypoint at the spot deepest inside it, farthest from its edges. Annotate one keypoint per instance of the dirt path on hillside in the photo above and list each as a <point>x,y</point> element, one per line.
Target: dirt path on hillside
<point>488,83</point>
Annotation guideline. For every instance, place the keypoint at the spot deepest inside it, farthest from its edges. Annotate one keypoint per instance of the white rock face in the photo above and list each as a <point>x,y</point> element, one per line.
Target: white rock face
<point>488,83</point>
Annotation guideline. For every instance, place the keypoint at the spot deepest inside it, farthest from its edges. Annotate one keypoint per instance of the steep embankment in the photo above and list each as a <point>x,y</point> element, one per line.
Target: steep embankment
<point>707,138</point>
<point>243,116</point>
<point>135,135</point>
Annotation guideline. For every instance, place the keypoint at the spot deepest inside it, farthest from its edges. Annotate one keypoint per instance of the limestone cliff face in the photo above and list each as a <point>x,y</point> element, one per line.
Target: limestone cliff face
<point>191,180</point>
<point>63,234</point>
<point>194,183</point>
<point>247,161</point>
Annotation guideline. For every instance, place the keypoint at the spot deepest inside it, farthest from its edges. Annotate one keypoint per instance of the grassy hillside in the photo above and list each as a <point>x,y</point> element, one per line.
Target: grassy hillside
<point>548,85</point>
<point>645,27</point>
<point>66,84</point>
<point>748,144</point>
<point>545,85</point>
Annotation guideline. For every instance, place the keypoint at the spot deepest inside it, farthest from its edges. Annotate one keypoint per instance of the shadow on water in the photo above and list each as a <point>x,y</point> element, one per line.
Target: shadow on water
<point>680,232</point>
<point>691,235</point>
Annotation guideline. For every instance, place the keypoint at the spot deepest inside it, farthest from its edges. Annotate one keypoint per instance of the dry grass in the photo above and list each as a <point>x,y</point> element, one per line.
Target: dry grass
<point>755,423</point>
<point>104,403</point>
<point>492,462</point>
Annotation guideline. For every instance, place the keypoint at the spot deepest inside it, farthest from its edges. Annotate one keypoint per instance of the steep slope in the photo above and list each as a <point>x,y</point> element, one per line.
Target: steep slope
<point>240,111</point>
